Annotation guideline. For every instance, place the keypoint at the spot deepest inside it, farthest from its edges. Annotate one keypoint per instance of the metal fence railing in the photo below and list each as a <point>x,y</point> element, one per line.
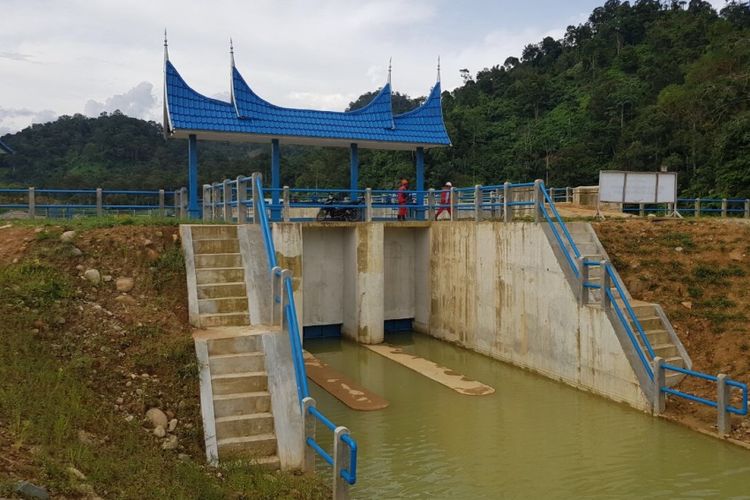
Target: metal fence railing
<point>66,203</point>
<point>614,298</point>
<point>284,313</point>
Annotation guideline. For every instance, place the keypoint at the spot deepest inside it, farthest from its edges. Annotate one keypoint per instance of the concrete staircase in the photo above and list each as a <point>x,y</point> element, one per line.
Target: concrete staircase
<point>656,326</point>
<point>219,276</point>
<point>243,424</point>
<point>236,403</point>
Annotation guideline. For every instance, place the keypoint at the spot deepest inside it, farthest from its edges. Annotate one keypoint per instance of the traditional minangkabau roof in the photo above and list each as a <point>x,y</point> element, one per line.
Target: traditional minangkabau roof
<point>5,149</point>
<point>249,118</point>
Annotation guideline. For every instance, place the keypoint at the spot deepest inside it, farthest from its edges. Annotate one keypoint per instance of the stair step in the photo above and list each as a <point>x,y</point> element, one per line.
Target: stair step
<point>222,290</point>
<point>664,350</point>
<point>658,336</point>
<point>218,260</point>
<point>224,364</point>
<point>226,405</point>
<point>244,425</point>
<point>222,305</point>
<point>214,246</point>
<point>213,231</point>
<point>235,345</point>
<point>224,319</point>
<point>271,462</point>
<point>233,383</point>
<point>675,361</point>
<point>219,275</point>
<point>649,322</point>
<point>262,445</point>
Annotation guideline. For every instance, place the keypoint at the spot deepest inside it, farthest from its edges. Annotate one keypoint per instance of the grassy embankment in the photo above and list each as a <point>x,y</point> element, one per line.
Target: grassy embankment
<point>79,368</point>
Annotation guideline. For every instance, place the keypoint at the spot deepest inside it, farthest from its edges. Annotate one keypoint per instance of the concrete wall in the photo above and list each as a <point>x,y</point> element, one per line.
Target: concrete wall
<point>323,275</point>
<point>512,302</point>
<point>399,272</point>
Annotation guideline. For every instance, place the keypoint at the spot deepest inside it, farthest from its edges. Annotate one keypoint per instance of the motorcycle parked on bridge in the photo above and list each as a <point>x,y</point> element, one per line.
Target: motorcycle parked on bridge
<point>335,209</point>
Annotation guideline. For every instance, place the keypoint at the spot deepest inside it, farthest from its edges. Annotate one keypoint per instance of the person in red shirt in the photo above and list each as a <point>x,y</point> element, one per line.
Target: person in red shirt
<point>402,199</point>
<point>445,200</point>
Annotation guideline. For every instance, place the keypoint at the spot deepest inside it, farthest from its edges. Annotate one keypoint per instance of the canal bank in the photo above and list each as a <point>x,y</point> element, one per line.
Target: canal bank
<point>533,437</point>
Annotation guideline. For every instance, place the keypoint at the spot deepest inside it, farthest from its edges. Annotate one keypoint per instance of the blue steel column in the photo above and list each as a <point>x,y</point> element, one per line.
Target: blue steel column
<point>420,183</point>
<point>275,179</point>
<point>354,171</point>
<point>194,208</point>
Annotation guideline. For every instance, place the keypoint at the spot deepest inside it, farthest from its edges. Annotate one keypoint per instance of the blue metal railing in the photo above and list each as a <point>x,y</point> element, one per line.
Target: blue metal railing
<point>348,474</point>
<point>76,201</point>
<point>626,315</point>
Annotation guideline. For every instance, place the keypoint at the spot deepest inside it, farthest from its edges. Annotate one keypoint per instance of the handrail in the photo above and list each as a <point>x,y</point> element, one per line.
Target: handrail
<point>628,315</point>
<point>350,474</point>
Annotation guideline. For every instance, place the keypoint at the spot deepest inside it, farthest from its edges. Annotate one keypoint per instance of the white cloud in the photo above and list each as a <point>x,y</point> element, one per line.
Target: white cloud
<point>15,119</point>
<point>138,101</point>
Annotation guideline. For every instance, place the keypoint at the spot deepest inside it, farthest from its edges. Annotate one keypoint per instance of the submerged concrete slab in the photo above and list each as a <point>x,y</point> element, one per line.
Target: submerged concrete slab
<point>431,370</point>
<point>348,392</point>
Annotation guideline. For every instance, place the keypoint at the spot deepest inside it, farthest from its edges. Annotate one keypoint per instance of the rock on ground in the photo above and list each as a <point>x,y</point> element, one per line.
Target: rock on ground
<point>157,418</point>
<point>67,236</point>
<point>93,276</point>
<point>170,443</point>
<point>124,284</point>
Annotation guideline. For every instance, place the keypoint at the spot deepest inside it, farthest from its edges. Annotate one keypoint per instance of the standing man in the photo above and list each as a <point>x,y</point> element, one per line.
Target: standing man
<point>445,200</point>
<point>402,199</point>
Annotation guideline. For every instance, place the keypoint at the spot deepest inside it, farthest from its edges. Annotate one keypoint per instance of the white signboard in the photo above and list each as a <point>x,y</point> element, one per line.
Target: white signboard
<point>637,187</point>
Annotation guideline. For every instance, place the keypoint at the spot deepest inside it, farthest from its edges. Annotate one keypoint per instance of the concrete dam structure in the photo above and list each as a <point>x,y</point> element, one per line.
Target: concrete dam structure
<point>492,287</point>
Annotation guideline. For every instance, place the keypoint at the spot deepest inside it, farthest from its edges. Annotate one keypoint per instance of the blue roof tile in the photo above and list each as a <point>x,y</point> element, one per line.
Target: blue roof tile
<point>251,115</point>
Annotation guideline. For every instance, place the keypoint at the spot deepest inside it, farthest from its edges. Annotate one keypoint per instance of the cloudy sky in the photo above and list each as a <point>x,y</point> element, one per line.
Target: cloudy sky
<point>75,56</point>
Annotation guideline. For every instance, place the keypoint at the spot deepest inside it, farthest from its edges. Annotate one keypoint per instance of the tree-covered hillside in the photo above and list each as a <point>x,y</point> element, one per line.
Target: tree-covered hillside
<point>642,85</point>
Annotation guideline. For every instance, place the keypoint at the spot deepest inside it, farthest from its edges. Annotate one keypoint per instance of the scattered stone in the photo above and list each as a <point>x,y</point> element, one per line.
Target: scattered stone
<point>159,431</point>
<point>67,236</point>
<point>126,299</point>
<point>36,230</point>
<point>129,418</point>
<point>678,249</point>
<point>147,242</point>
<point>80,267</point>
<point>172,425</point>
<point>76,473</point>
<point>152,255</point>
<point>687,304</point>
<point>87,438</point>
<point>184,457</point>
<point>75,252</point>
<point>139,392</point>
<point>107,278</point>
<point>120,401</point>
<point>129,383</point>
<point>159,234</point>
<point>124,284</point>
<point>157,417</point>
<point>93,276</point>
<point>28,490</point>
<point>736,255</point>
<point>170,443</point>
<point>170,413</point>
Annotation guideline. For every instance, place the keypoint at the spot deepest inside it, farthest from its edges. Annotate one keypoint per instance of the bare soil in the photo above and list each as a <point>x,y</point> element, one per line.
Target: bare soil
<point>699,271</point>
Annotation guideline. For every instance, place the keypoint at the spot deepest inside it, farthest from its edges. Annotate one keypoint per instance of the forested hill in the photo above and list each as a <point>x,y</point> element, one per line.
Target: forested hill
<point>641,85</point>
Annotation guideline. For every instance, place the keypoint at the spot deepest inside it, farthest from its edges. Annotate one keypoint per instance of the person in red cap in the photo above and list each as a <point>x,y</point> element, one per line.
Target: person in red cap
<point>445,200</point>
<point>402,199</point>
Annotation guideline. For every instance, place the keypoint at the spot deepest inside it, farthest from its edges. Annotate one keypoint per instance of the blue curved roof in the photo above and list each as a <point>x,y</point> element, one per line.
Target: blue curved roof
<point>5,149</point>
<point>250,118</point>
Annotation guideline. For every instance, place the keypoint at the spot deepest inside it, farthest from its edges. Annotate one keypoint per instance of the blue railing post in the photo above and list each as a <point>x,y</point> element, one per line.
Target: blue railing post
<point>193,208</point>
<point>286,208</point>
<point>477,203</point>
<point>538,199</point>
<point>309,424</point>
<point>275,179</point>
<point>340,464</point>
<point>507,209</point>
<point>32,202</point>
<point>162,211</point>
<point>241,199</point>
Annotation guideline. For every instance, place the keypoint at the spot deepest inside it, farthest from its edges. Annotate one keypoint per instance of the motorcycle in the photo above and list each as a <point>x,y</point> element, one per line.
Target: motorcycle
<point>340,210</point>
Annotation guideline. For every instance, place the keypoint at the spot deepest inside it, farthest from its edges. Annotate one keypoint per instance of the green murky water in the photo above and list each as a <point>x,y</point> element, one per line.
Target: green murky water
<point>533,438</point>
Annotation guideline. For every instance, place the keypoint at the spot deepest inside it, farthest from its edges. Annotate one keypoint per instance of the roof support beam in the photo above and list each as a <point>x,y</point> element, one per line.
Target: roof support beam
<point>420,183</point>
<point>354,171</point>
<point>275,179</point>
<point>194,210</point>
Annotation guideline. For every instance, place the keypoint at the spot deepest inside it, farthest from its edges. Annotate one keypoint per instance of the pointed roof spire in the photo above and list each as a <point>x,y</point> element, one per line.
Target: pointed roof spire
<point>389,70</point>
<point>166,51</point>
<point>231,50</point>
<point>438,70</point>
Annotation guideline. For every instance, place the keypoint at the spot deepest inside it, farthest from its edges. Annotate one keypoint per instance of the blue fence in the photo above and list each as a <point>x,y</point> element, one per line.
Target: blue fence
<point>283,298</point>
<point>67,203</point>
